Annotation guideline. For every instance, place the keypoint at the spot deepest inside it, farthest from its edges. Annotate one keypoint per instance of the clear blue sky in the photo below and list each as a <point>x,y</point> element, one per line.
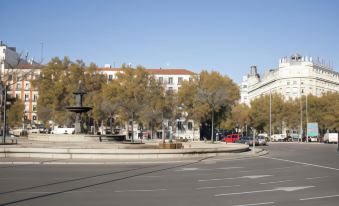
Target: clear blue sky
<point>226,36</point>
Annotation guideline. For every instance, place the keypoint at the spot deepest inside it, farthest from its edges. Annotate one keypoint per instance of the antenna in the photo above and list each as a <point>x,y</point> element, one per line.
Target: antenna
<point>42,51</point>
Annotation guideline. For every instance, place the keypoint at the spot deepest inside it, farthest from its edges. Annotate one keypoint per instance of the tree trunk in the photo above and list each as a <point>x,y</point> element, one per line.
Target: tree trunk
<point>163,129</point>
<point>132,127</point>
<point>212,125</point>
<point>111,124</point>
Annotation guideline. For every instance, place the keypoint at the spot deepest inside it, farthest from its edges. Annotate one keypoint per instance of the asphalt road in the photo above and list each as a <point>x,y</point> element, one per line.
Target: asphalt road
<point>292,174</point>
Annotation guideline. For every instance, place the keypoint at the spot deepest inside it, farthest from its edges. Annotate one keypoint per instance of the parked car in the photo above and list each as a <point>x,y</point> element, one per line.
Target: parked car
<point>262,140</point>
<point>242,140</point>
<point>247,140</point>
<point>231,138</point>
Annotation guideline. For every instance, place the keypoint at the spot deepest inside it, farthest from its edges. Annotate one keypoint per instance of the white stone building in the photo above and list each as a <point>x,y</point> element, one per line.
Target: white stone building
<point>295,76</point>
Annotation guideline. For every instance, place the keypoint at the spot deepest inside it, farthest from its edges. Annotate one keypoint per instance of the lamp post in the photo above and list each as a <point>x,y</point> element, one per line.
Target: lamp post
<point>301,119</point>
<point>306,119</point>
<point>5,111</point>
<point>270,114</point>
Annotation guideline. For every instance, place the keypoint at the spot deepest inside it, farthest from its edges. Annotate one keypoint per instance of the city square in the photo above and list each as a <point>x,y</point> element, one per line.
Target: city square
<point>169,102</point>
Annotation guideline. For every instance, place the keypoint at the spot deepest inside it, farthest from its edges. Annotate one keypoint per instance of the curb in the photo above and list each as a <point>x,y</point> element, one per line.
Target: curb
<point>225,157</point>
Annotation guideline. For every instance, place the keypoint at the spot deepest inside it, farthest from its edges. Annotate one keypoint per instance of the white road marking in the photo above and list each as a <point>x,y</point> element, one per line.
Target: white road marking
<point>225,186</point>
<point>228,168</point>
<point>276,168</point>
<point>314,198</point>
<point>188,169</point>
<point>151,176</point>
<point>303,163</point>
<point>233,178</point>
<point>51,192</point>
<point>153,190</point>
<point>262,203</point>
<point>265,183</point>
<point>312,178</point>
<point>286,189</point>
<point>195,169</point>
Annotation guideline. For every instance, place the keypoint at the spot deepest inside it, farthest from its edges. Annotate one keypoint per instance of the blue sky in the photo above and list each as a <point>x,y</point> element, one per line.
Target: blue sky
<point>226,36</point>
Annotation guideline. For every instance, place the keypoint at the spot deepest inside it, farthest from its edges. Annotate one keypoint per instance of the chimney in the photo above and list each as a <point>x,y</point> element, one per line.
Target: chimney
<point>253,70</point>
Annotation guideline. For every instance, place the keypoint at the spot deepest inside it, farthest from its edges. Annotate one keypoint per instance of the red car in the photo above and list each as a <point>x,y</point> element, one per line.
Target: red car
<point>231,138</point>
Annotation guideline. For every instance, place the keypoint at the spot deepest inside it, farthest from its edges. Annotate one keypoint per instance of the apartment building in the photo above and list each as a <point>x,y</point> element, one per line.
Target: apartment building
<point>294,77</point>
<point>17,73</point>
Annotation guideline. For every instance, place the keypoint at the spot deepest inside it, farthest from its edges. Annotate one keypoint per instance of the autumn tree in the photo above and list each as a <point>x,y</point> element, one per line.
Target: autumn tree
<point>16,113</point>
<point>128,91</point>
<point>56,84</point>
<point>209,94</point>
<point>240,116</point>
<point>152,114</point>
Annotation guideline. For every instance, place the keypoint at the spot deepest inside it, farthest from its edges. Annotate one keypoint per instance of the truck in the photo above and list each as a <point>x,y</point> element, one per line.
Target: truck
<point>331,138</point>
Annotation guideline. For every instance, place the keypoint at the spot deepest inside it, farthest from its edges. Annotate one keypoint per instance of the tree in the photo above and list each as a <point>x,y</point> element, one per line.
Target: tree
<point>56,84</point>
<point>208,96</point>
<point>240,116</point>
<point>128,91</point>
<point>153,114</point>
<point>16,113</point>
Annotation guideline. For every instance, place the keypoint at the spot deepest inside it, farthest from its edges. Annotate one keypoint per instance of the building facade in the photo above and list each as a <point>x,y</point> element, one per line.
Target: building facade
<point>294,77</point>
<point>17,74</point>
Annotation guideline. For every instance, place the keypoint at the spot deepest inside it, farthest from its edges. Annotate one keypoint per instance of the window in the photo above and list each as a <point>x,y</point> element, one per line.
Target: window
<point>295,90</point>
<point>34,108</point>
<point>179,125</point>
<point>288,83</point>
<point>110,77</point>
<point>170,80</point>
<point>18,85</point>
<point>244,86</point>
<point>35,97</point>
<point>27,86</point>
<point>161,80</point>
<point>10,77</point>
<point>190,126</point>
<point>34,117</point>
<point>26,97</point>
<point>294,82</point>
<point>179,80</point>
<point>170,88</point>
<point>190,79</point>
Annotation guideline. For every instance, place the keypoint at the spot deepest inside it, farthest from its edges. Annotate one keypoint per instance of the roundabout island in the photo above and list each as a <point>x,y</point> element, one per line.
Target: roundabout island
<point>89,147</point>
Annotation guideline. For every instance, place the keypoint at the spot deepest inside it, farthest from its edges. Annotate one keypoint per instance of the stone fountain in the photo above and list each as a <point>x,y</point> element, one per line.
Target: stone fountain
<point>78,109</point>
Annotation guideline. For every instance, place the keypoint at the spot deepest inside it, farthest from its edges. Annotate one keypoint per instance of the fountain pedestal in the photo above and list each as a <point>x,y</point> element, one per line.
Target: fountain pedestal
<point>79,109</point>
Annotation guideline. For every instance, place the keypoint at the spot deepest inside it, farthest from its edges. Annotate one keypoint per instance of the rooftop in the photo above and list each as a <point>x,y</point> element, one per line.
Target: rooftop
<point>157,71</point>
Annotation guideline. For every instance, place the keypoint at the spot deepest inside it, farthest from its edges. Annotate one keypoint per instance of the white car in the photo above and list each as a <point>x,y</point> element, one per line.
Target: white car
<point>262,140</point>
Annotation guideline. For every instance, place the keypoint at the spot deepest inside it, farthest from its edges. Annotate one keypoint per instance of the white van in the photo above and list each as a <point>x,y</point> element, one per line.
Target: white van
<point>278,137</point>
<point>331,138</point>
<point>63,131</point>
